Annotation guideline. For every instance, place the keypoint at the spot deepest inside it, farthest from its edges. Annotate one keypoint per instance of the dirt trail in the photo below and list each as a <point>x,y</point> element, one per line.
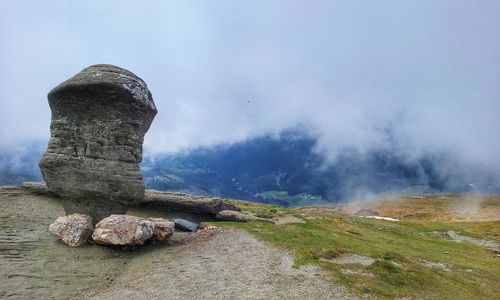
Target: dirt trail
<point>229,265</point>
<point>226,264</point>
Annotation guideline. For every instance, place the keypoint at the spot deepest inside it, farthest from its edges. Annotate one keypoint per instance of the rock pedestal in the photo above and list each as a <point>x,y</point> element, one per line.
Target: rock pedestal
<point>99,119</point>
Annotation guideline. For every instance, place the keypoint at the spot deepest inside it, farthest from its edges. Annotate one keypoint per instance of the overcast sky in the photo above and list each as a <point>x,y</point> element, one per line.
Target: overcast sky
<point>417,76</point>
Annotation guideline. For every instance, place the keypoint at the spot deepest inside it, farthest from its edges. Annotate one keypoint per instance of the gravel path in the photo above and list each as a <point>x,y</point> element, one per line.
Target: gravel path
<point>230,264</point>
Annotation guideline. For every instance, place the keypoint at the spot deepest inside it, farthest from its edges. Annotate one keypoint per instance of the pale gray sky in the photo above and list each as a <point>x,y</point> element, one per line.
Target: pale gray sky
<point>428,72</point>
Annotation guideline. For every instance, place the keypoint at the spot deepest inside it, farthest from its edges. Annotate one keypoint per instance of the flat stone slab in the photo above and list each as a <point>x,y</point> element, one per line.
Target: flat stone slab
<point>187,202</point>
<point>173,200</point>
<point>236,216</point>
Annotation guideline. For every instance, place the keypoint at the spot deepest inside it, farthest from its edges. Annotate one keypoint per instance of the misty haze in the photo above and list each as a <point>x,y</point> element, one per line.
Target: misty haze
<point>355,140</point>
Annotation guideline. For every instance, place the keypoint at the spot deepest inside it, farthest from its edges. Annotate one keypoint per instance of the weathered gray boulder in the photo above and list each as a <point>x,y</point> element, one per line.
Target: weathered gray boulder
<point>187,202</point>
<point>236,216</point>
<point>185,225</point>
<point>123,230</point>
<point>74,229</point>
<point>99,118</point>
<point>163,230</point>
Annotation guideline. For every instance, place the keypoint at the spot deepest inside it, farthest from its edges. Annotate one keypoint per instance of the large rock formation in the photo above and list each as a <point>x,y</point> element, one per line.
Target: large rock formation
<point>99,118</point>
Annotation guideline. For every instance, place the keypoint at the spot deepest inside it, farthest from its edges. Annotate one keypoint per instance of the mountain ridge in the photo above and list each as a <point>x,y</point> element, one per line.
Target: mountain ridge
<point>285,169</point>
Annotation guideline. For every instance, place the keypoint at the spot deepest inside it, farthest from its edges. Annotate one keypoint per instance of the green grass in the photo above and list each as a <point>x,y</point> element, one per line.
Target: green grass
<point>400,249</point>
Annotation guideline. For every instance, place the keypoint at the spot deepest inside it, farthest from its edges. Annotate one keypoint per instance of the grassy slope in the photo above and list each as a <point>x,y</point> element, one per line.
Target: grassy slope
<point>446,207</point>
<point>401,250</point>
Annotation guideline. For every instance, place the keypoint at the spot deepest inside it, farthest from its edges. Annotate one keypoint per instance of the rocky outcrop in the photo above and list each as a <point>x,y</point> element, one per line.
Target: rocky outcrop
<point>99,118</point>
<point>236,216</point>
<point>186,202</point>
<point>173,200</point>
<point>163,230</point>
<point>74,229</point>
<point>123,230</point>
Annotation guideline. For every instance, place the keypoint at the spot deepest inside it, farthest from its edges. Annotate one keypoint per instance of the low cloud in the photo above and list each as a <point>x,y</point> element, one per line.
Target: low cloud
<point>415,78</point>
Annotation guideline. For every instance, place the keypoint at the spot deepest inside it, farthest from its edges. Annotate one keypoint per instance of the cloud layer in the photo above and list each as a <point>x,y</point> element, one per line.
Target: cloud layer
<point>413,76</point>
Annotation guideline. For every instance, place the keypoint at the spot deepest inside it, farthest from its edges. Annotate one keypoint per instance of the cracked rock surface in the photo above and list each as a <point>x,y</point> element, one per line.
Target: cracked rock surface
<point>99,119</point>
<point>123,230</point>
<point>74,229</point>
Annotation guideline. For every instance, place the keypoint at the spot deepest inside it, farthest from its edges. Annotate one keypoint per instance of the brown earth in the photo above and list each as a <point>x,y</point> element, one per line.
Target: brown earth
<point>446,207</point>
<point>217,264</point>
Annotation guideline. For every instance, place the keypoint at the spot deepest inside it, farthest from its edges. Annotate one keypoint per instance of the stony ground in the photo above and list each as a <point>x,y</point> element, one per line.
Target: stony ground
<point>34,265</point>
<point>229,264</point>
<point>220,264</point>
<point>433,253</point>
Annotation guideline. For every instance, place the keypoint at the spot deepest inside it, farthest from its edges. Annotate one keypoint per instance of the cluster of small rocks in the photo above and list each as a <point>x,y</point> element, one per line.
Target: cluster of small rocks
<point>126,230</point>
<point>117,230</point>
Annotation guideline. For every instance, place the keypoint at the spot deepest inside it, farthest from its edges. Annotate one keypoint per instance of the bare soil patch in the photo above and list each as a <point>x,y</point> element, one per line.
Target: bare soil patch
<point>345,259</point>
<point>447,207</point>
<point>230,264</point>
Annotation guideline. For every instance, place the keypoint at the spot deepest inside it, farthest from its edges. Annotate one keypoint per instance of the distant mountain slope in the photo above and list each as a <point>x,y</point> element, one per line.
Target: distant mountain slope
<point>286,170</point>
<point>239,170</point>
<point>283,169</point>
